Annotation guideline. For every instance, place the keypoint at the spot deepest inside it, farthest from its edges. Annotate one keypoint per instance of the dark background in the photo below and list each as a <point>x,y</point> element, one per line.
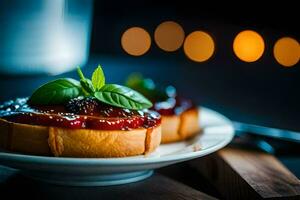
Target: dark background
<point>262,92</point>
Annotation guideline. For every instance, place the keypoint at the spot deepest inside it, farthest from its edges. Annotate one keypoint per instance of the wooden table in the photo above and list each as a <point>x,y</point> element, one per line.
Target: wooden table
<point>227,174</point>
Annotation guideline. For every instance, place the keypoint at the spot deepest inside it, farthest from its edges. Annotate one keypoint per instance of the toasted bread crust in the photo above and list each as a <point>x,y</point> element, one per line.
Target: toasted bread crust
<point>180,127</point>
<point>41,140</point>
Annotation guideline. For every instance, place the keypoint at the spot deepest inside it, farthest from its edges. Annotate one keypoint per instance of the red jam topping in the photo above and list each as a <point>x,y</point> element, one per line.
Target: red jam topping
<point>104,117</point>
<point>173,106</point>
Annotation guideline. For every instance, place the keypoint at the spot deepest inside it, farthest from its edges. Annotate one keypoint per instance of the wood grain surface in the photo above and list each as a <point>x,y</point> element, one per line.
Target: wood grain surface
<point>244,174</point>
<point>154,188</point>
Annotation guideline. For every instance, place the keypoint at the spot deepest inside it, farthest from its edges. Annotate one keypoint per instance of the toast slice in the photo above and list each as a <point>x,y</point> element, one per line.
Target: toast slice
<point>180,127</point>
<point>55,141</point>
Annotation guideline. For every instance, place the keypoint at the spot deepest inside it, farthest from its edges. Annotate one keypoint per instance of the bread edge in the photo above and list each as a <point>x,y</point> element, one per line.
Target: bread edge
<point>180,127</point>
<point>61,142</point>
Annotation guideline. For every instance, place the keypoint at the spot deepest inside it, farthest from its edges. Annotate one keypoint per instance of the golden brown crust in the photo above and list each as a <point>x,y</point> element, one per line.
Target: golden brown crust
<point>169,128</point>
<point>4,136</point>
<point>40,140</point>
<point>180,127</point>
<point>153,138</point>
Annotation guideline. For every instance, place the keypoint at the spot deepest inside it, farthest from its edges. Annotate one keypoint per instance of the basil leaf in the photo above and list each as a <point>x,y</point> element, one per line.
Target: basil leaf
<point>121,96</point>
<point>98,78</point>
<point>87,86</point>
<point>56,92</point>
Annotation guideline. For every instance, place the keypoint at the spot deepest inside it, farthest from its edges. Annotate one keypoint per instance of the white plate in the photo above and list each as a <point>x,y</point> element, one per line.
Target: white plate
<point>217,132</point>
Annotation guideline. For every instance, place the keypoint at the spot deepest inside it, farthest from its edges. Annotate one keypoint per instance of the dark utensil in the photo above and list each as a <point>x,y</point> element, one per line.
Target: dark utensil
<point>270,140</point>
<point>248,141</point>
<point>267,132</point>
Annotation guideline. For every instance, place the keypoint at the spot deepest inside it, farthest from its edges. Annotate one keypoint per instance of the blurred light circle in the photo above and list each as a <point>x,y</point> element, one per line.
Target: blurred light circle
<point>287,51</point>
<point>169,36</point>
<point>136,41</point>
<point>248,46</point>
<point>199,46</point>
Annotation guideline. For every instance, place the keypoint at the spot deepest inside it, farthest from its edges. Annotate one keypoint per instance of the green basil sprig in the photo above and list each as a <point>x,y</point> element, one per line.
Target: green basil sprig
<point>121,96</point>
<point>56,92</point>
<point>98,78</point>
<point>87,86</point>
<point>62,90</point>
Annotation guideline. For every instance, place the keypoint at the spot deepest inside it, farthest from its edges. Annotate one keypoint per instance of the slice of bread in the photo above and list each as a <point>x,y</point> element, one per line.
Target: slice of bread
<point>54,141</point>
<point>180,127</point>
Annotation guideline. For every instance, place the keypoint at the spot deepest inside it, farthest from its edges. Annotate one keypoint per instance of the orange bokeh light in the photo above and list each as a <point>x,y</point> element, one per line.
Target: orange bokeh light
<point>287,51</point>
<point>248,46</point>
<point>169,36</point>
<point>199,46</point>
<point>136,41</point>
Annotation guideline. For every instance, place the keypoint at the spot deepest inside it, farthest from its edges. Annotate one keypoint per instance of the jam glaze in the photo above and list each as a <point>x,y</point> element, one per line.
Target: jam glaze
<point>173,106</point>
<point>104,118</point>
